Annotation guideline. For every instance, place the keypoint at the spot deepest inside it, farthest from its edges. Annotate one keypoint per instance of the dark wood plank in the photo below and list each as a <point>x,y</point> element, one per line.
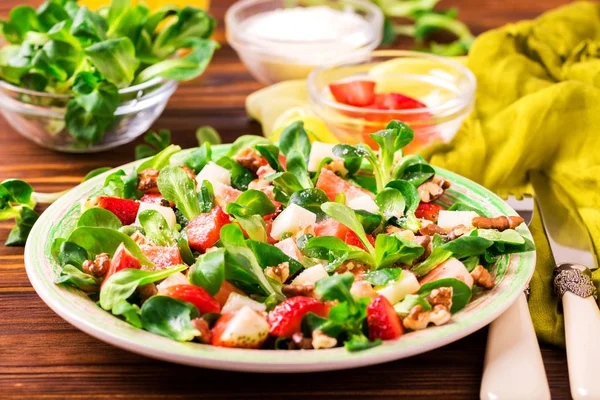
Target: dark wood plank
<point>42,356</point>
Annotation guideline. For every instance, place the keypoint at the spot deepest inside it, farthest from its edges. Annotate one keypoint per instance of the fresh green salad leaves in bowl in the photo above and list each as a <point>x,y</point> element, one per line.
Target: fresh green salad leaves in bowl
<point>76,80</point>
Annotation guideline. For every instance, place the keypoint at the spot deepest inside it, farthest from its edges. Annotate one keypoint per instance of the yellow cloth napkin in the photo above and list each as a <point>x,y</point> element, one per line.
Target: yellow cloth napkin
<point>537,108</point>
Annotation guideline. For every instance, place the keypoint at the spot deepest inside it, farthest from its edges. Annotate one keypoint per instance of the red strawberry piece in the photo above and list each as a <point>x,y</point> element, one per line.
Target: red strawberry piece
<point>224,292</point>
<point>331,227</point>
<point>162,256</point>
<point>125,209</point>
<point>286,317</point>
<point>382,320</point>
<point>155,198</point>
<point>353,240</point>
<point>196,295</point>
<point>333,185</point>
<point>428,211</point>
<point>204,230</point>
<point>122,259</point>
<point>354,93</point>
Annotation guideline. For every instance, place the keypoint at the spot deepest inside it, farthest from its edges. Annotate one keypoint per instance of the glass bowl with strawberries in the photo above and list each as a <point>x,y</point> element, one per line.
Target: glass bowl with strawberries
<point>432,94</point>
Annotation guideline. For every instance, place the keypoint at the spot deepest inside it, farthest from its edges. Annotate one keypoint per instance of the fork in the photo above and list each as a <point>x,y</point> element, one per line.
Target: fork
<point>513,366</point>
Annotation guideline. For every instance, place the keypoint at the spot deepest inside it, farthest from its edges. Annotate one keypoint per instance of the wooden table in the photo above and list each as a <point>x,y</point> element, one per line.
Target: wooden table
<point>43,356</point>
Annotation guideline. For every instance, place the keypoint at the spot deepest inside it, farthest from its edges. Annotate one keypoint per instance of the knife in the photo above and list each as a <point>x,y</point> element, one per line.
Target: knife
<point>513,366</point>
<point>571,247</point>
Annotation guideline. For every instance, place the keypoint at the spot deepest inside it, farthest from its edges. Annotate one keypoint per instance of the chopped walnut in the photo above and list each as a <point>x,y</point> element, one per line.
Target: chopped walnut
<point>99,267</point>
<point>302,342</point>
<point>337,166</point>
<point>307,290</point>
<point>441,181</point>
<point>425,242</point>
<point>457,232</point>
<point>189,172</point>
<point>148,180</point>
<point>400,232</point>
<point>417,319</point>
<point>430,229</point>
<point>250,158</point>
<point>441,296</point>
<point>500,223</point>
<point>429,191</point>
<point>322,341</point>
<point>265,171</point>
<point>280,273</point>
<point>146,291</point>
<point>482,277</point>
<point>361,289</point>
<point>201,325</point>
<point>139,238</point>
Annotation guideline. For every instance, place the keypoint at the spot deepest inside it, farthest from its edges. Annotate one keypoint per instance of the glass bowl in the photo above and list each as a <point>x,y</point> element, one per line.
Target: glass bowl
<point>39,116</point>
<point>276,60</point>
<point>445,86</point>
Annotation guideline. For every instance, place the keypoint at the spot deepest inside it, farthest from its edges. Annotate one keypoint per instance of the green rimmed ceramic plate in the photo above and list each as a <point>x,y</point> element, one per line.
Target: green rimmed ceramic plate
<point>512,273</point>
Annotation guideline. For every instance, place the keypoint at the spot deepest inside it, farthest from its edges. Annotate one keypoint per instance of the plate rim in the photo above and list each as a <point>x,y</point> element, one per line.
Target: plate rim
<point>259,360</point>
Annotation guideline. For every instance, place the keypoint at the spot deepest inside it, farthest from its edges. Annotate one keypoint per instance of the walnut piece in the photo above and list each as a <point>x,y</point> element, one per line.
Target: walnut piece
<point>430,229</point>
<point>457,232</point>
<point>201,325</point>
<point>500,223</point>
<point>250,158</point>
<point>302,342</point>
<point>441,296</point>
<point>139,238</point>
<point>441,182</point>
<point>417,319</point>
<point>307,290</point>
<point>337,166</point>
<point>361,289</point>
<point>188,171</point>
<point>146,291</point>
<point>280,273</point>
<point>148,180</point>
<point>99,267</point>
<point>400,232</point>
<point>482,277</point>
<point>322,341</point>
<point>429,191</point>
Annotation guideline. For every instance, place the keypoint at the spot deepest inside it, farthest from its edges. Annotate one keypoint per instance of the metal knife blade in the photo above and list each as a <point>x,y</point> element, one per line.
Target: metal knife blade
<point>567,234</point>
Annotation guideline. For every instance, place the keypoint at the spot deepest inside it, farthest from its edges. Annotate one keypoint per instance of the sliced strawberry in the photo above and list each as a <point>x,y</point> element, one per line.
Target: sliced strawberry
<point>269,226</point>
<point>428,211</point>
<point>244,328</point>
<point>354,93</point>
<point>204,230</point>
<point>162,256</point>
<point>396,101</point>
<point>333,185</point>
<point>225,194</point>
<point>155,198</point>
<point>122,259</point>
<point>196,295</point>
<point>224,292</point>
<point>353,240</point>
<point>382,320</point>
<point>286,317</point>
<point>331,227</point>
<point>125,209</point>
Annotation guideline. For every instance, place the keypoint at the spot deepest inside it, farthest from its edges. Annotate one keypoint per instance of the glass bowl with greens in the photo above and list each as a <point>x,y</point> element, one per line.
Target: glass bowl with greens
<point>80,81</point>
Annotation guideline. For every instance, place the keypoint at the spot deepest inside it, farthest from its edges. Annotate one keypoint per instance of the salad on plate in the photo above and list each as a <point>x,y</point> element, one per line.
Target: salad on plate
<point>295,245</point>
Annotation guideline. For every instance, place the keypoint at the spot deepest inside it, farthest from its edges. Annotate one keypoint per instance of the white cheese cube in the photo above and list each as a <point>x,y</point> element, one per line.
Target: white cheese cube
<point>396,291</point>
<point>214,173</point>
<point>166,212</point>
<point>450,219</point>
<point>175,279</point>
<point>318,152</point>
<point>310,275</point>
<point>236,302</point>
<point>289,248</point>
<point>365,203</point>
<point>291,220</point>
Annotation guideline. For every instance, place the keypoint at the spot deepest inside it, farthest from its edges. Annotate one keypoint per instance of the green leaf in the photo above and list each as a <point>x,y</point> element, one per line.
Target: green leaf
<point>286,183</point>
<point>156,142</point>
<point>206,196</point>
<point>131,312</point>
<point>24,222</point>
<point>336,287</point>
<point>370,222</point>
<point>403,308</point>
<point>310,199</point>
<point>390,250</point>
<point>22,20</point>
<point>461,293</point>
<point>360,343</point>
<point>119,184</point>
<point>185,68</point>
<point>245,141</point>
<point>458,206</point>
<point>466,246</point>
<point>72,254</point>
<point>18,192</point>
<point>99,217</point>
<point>115,60</point>
<point>296,165</point>
<point>209,271</point>
<point>391,202</point>
<point>418,173</point>
<point>156,228</point>
<point>294,138</point>
<point>208,134</point>
<point>270,152</point>
<point>88,25</point>
<point>122,284</point>
<point>176,186</point>
<point>198,158</point>
<point>160,160</point>
<point>240,176</point>
<point>508,236</point>
<point>98,240</point>
<point>383,276</point>
<point>346,216</point>
<point>251,202</point>
<point>335,250</point>
<point>72,276</point>
<point>253,225</point>
<point>437,256</point>
<point>268,255</point>
<point>409,192</point>
<point>170,317</point>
